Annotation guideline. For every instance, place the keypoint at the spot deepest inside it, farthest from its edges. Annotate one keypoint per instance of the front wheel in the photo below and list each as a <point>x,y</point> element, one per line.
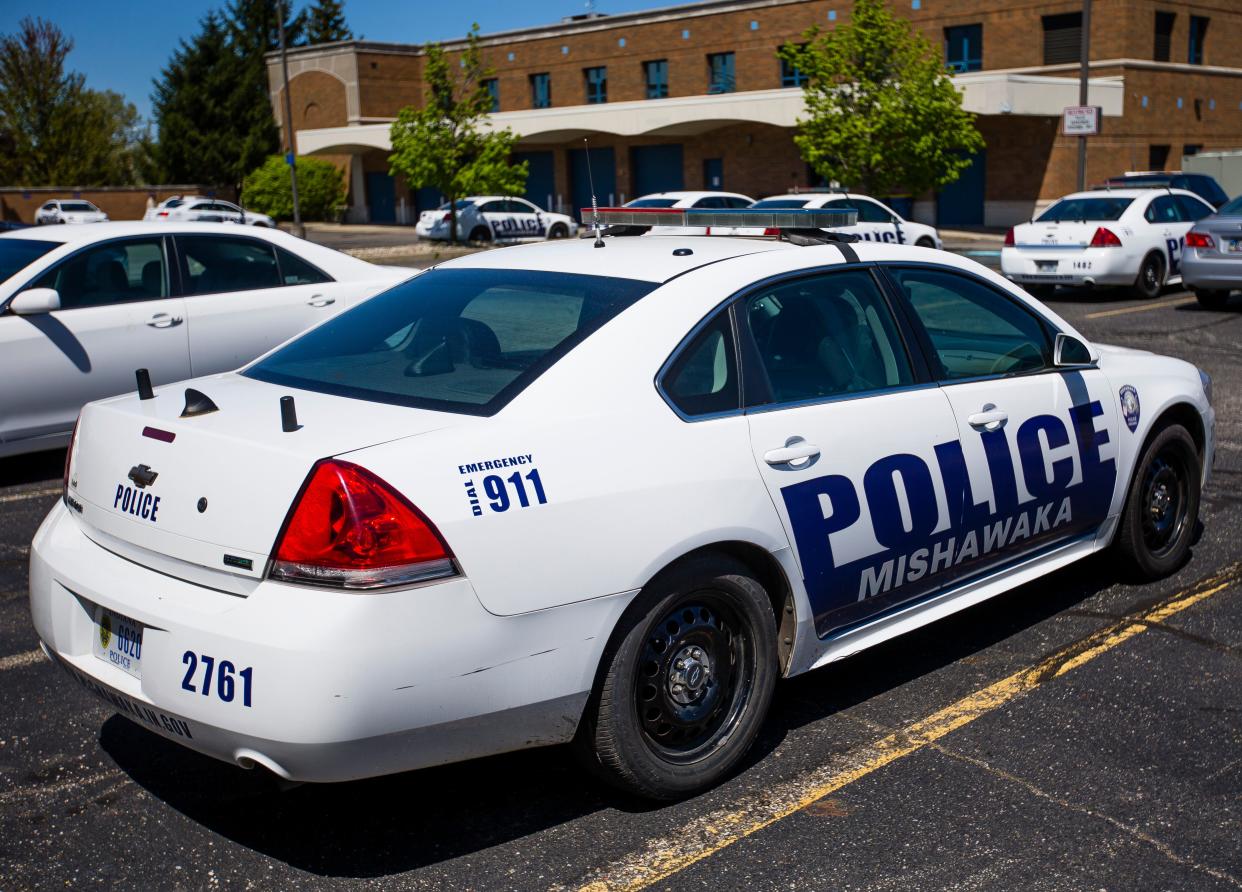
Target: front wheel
<point>686,685</point>
<point>1150,277</point>
<point>1211,300</point>
<point>558,230</point>
<point>925,242</point>
<point>1162,506</point>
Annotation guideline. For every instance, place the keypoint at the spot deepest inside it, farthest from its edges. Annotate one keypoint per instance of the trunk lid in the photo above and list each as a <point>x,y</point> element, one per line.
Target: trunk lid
<point>1226,233</point>
<point>203,498</point>
<point>1063,235</point>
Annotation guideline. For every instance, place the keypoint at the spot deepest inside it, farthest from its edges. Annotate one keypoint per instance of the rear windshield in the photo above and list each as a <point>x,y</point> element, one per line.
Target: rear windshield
<point>174,203</point>
<point>780,203</point>
<point>1086,209</point>
<point>1232,208</point>
<point>652,203</point>
<point>16,254</point>
<point>452,340</point>
<point>76,206</point>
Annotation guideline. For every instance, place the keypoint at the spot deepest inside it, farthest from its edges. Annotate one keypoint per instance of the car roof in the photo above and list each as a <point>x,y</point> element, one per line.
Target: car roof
<point>1126,193</point>
<point>96,232</point>
<point>648,258</point>
<point>681,194</point>
<point>819,196</point>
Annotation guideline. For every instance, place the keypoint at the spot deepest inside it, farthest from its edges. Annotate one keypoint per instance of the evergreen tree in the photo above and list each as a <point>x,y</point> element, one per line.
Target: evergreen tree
<point>325,22</point>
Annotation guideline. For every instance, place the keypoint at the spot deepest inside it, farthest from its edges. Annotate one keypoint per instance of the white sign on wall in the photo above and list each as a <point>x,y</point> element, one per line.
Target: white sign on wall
<point>1081,120</point>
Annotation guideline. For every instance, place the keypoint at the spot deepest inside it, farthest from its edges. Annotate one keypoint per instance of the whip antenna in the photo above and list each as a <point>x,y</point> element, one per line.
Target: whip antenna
<point>599,237</point>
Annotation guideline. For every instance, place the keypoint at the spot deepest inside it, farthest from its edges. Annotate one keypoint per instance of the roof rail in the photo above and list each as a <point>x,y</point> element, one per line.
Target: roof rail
<point>797,225</point>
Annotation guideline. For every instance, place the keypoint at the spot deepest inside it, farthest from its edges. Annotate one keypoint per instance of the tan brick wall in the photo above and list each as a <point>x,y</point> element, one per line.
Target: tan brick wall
<point>119,203</point>
<point>387,82</point>
<point>318,100</point>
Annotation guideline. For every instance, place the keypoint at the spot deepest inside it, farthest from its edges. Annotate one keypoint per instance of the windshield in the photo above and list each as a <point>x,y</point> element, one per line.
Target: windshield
<point>454,340</point>
<point>16,254</point>
<point>652,203</point>
<point>1085,209</point>
<point>1232,208</point>
<point>780,203</point>
<point>77,206</point>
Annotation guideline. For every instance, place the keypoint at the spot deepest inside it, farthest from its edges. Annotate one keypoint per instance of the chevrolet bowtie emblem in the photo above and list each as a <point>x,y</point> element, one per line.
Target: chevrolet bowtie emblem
<point>142,475</point>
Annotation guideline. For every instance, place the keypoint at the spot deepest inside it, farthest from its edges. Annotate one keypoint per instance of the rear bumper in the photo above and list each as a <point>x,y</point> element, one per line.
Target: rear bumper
<point>1219,273</point>
<point>1086,266</point>
<point>344,685</point>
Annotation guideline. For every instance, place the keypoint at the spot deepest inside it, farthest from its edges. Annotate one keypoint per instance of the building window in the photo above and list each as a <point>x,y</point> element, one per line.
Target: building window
<point>656,75</point>
<point>963,47</point>
<point>596,85</point>
<point>1157,157</point>
<point>1198,34</point>
<point>541,90</point>
<point>492,86</point>
<point>1163,50</point>
<point>1062,38</point>
<point>1190,149</point>
<point>720,77</point>
<point>791,76</point>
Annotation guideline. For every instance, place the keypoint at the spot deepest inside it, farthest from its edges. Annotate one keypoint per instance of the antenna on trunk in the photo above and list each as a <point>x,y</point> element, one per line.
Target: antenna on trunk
<point>288,415</point>
<point>599,233</point>
<point>144,384</point>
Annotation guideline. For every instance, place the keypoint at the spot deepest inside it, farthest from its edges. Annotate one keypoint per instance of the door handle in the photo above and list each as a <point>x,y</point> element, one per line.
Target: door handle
<point>990,419</point>
<point>320,301</point>
<point>163,320</point>
<point>793,452</point>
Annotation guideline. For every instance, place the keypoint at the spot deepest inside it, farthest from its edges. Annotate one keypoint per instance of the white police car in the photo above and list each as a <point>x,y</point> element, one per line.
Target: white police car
<point>1129,237</point>
<point>203,209</point>
<point>485,218</point>
<point>604,491</point>
<point>876,222</point>
<point>64,210</point>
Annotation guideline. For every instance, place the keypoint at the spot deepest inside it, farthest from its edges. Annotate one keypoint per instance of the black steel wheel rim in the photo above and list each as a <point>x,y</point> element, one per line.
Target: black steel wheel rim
<point>1151,275</point>
<point>1164,501</point>
<point>696,672</point>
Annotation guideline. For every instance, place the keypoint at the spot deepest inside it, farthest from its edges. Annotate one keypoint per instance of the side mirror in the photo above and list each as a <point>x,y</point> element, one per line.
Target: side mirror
<point>34,301</point>
<point>1069,352</point>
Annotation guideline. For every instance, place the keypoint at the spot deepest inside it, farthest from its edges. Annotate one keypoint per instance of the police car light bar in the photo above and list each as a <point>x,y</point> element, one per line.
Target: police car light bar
<point>774,218</point>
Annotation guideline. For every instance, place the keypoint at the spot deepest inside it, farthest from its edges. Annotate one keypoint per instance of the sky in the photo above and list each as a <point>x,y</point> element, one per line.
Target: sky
<point>122,45</point>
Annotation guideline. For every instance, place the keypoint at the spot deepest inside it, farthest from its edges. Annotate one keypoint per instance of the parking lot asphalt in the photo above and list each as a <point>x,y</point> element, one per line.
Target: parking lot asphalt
<point>1076,733</point>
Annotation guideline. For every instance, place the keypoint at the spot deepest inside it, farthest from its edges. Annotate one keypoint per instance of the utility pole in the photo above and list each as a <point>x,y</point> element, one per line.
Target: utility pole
<point>291,158</point>
<point>1084,70</point>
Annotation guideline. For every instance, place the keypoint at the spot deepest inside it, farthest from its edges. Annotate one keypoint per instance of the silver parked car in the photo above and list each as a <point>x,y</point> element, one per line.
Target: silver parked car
<point>1212,261</point>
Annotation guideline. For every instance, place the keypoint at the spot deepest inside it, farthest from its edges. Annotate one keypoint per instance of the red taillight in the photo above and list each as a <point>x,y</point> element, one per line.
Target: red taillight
<point>350,529</point>
<point>162,214</point>
<point>1199,240</point>
<point>1009,238</point>
<point>771,230</point>
<point>1105,238</point>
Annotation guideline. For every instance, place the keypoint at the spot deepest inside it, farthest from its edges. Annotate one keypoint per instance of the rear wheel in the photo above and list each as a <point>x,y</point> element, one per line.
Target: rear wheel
<point>925,242</point>
<point>558,230</point>
<point>1211,300</point>
<point>1150,277</point>
<point>1162,506</point>
<point>686,683</point>
<point>480,234</point>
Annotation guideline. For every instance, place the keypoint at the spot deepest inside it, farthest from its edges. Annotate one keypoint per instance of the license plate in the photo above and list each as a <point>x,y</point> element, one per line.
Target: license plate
<point>1233,246</point>
<point>1046,266</point>
<point>118,640</point>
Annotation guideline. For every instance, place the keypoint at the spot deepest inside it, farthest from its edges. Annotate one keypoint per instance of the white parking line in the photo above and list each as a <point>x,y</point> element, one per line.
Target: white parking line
<point>17,661</point>
<point>30,494</point>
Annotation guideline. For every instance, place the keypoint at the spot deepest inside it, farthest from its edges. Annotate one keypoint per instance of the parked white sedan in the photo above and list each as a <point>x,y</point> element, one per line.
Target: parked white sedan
<point>82,307</point>
<point>705,200</point>
<point>200,209</point>
<point>1126,237</point>
<point>877,222</point>
<point>61,210</point>
<point>486,218</point>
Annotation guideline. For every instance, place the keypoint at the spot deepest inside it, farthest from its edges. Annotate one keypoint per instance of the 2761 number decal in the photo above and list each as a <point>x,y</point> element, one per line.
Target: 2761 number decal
<point>226,678</point>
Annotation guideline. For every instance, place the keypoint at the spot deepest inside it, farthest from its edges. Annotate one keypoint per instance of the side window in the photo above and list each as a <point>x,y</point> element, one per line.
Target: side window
<point>974,330</point>
<point>217,264</point>
<point>704,379</point>
<point>518,207</point>
<point>711,201</point>
<point>111,273</point>
<point>1193,208</point>
<point>737,202</point>
<point>870,212</point>
<point>825,336</point>
<point>494,207</point>
<point>1163,209</point>
<point>296,271</point>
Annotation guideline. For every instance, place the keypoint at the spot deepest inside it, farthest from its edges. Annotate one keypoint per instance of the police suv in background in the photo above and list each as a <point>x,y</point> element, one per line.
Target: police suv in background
<point>1125,237</point>
<point>76,210</point>
<point>486,218</point>
<point>877,222</point>
<point>603,491</point>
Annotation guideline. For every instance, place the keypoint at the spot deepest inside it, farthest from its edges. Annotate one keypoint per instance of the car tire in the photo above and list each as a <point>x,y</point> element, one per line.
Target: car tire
<point>685,683</point>
<point>480,234</point>
<point>558,230</point>
<point>925,242</point>
<point>1150,279</point>
<point>1211,300</point>
<point>1162,505</point>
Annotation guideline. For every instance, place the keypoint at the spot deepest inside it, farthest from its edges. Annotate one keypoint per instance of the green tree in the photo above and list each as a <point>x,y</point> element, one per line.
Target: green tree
<point>53,129</point>
<point>321,189</point>
<point>443,144</point>
<point>882,113</point>
<point>325,22</point>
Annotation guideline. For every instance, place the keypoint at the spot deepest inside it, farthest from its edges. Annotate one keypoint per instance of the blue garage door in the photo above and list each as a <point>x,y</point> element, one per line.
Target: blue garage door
<point>604,169</point>
<point>381,197</point>
<point>540,179</point>
<point>961,202</point>
<point>657,169</point>
<point>427,198</point>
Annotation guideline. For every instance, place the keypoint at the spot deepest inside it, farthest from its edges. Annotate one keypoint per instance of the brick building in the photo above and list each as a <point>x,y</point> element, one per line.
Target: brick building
<point>694,96</point>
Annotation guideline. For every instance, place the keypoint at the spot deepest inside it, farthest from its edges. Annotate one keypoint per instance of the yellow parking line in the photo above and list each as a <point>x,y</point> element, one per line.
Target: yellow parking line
<point>702,837</point>
<point>17,661</point>
<point>1142,308</point>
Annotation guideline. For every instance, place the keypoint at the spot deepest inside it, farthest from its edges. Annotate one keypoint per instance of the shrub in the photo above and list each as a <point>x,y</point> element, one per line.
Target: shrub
<point>321,189</point>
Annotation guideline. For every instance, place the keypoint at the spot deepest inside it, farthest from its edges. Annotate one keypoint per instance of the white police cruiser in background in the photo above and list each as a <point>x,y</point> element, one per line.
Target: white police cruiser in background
<point>1128,237</point>
<point>485,218</point>
<point>64,210</point>
<point>699,200</point>
<point>877,222</point>
<point>604,491</point>
<point>201,209</point>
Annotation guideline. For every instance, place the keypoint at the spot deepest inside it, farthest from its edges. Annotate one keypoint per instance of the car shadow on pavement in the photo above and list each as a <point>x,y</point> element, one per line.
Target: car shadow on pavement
<point>388,825</point>
<point>35,467</point>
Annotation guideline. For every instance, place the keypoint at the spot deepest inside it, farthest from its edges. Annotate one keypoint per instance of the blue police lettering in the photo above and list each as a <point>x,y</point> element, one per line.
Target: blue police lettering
<point>136,502</point>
